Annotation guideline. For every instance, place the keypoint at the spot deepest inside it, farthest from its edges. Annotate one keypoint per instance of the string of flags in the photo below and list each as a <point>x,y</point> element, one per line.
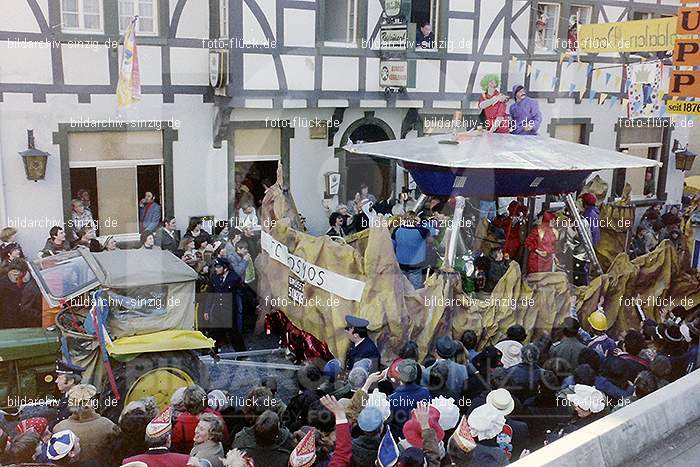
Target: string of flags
<point>603,98</point>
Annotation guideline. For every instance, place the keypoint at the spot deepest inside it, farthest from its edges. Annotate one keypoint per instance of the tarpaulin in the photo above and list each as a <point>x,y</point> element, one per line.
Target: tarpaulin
<point>398,313</point>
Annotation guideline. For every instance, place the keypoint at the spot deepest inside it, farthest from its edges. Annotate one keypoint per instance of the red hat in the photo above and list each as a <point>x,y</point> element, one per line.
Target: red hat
<point>38,424</point>
<point>589,199</point>
<point>412,430</point>
<point>548,217</point>
<point>393,372</point>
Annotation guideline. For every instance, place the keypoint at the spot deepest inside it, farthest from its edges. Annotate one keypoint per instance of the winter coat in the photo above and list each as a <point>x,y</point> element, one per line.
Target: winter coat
<point>210,451</point>
<point>219,301</point>
<point>97,435</point>
<point>275,454</point>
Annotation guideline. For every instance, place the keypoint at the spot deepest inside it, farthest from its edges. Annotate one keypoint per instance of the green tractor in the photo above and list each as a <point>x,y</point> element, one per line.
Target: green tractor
<point>27,364</point>
<point>127,316</point>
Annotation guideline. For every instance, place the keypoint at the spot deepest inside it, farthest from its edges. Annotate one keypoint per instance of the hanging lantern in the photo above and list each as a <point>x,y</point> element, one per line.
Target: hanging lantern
<point>34,159</point>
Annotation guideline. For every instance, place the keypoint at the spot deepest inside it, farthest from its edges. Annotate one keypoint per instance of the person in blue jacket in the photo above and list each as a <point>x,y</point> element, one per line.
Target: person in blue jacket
<point>410,244</point>
<point>223,314</point>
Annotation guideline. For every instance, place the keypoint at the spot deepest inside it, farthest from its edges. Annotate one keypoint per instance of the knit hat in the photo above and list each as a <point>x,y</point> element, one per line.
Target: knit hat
<point>365,363</point>
<point>587,398</point>
<point>38,424</point>
<point>332,369</point>
<point>304,454</point>
<point>511,352</point>
<point>160,425</point>
<point>218,400</point>
<point>357,377</point>
<point>60,445</point>
<point>408,370</point>
<point>589,199</point>
<point>370,419</point>
<point>516,89</point>
<point>393,372</point>
<point>485,422</point>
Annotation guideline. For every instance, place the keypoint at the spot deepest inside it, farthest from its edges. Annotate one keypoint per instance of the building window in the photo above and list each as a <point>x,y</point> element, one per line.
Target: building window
<point>639,15</point>
<point>117,169</point>
<point>584,13</point>
<point>424,13</point>
<point>646,141</point>
<point>579,15</point>
<point>144,9</point>
<point>81,16</point>
<point>223,18</point>
<point>340,22</point>
<point>546,27</point>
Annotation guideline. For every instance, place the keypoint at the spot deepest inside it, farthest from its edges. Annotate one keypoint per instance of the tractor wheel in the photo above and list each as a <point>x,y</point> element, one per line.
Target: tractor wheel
<point>152,374</point>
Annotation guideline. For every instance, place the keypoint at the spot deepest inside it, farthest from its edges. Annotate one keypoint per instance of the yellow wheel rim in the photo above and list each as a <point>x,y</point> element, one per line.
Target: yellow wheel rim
<point>160,383</point>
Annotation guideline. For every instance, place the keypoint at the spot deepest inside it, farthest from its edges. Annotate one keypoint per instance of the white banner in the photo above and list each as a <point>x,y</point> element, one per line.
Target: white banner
<point>349,289</point>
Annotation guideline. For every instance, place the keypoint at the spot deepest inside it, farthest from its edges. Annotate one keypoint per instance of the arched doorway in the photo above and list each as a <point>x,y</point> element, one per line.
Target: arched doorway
<point>378,174</point>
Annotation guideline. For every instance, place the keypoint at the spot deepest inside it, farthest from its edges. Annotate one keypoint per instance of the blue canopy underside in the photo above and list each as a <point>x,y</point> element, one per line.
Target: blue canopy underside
<point>493,183</point>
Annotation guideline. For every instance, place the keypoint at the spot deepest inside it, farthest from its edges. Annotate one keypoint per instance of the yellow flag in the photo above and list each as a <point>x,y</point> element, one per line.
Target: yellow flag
<point>602,98</point>
<point>529,70</point>
<point>561,57</point>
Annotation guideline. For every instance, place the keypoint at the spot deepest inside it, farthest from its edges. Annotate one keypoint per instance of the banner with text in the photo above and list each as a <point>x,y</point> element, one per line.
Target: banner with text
<point>652,35</point>
<point>345,287</point>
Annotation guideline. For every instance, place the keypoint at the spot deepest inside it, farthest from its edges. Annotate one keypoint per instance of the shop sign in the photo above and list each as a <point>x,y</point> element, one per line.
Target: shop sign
<point>652,35</point>
<point>393,37</point>
<point>393,74</point>
<point>686,83</point>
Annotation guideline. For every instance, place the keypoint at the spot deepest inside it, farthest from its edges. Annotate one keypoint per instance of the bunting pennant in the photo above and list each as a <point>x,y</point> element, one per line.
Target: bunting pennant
<point>591,96</point>
<point>590,69</point>
<point>569,61</point>
<point>129,85</point>
<point>582,91</point>
<point>561,57</point>
<point>613,101</point>
<point>555,80</point>
<point>608,76</point>
<point>537,74</point>
<point>572,87</point>
<point>625,101</point>
<point>597,73</point>
<point>602,97</point>
<point>529,70</point>
<point>513,60</point>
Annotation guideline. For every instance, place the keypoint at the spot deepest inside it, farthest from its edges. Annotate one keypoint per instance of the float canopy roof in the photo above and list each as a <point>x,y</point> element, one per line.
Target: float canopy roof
<point>492,165</point>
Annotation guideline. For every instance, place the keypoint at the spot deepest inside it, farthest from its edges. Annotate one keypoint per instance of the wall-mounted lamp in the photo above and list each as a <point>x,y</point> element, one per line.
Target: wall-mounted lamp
<point>684,158</point>
<point>34,159</point>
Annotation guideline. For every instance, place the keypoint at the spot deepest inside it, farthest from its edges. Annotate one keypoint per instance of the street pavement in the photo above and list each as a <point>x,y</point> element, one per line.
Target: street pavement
<point>681,449</point>
<point>239,379</point>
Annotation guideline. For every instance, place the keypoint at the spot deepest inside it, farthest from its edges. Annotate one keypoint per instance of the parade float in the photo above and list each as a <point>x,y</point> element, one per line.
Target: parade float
<point>307,284</point>
<point>127,316</point>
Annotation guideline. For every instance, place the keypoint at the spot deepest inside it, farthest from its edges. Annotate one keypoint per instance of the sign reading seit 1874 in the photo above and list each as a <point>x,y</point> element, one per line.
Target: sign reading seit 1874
<point>686,53</point>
